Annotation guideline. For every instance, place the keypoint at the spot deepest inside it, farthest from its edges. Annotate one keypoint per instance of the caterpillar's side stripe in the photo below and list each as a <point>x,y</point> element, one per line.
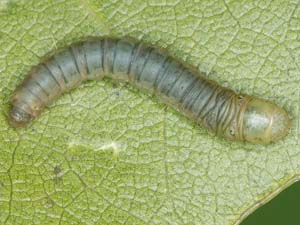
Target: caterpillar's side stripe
<point>224,112</point>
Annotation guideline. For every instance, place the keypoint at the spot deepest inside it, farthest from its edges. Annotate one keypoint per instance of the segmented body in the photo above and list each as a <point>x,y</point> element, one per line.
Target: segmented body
<point>148,68</point>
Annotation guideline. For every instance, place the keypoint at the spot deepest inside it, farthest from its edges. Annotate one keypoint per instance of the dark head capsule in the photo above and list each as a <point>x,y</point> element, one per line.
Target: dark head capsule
<point>19,117</point>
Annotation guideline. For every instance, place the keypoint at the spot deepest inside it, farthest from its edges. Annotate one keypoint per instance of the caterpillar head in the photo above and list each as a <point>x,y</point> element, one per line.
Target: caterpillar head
<point>263,122</point>
<point>19,117</point>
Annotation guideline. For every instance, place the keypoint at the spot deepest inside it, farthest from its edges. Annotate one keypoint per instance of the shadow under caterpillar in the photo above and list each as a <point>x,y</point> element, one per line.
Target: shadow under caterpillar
<point>234,116</point>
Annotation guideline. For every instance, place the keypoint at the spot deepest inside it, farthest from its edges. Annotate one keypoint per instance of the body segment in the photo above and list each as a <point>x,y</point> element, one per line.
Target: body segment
<point>222,111</point>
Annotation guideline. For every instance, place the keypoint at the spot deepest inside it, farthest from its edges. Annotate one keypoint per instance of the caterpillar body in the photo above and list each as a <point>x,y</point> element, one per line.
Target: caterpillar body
<point>234,116</point>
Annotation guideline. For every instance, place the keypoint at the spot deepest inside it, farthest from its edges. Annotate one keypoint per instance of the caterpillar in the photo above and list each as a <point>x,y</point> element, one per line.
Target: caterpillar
<point>234,116</point>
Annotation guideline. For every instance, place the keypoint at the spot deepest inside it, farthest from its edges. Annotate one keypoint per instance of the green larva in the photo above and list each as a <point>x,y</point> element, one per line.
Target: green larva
<point>234,116</point>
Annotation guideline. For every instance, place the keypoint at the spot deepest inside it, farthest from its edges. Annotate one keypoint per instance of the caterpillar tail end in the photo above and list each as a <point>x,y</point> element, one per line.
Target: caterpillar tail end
<point>18,117</point>
<point>264,122</point>
<point>281,124</point>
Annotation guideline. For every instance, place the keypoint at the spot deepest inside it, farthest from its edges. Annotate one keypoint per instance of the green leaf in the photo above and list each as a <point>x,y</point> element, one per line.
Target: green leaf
<point>107,153</point>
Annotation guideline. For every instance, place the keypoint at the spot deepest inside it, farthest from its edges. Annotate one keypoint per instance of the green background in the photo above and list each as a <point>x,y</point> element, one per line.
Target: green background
<point>284,209</point>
